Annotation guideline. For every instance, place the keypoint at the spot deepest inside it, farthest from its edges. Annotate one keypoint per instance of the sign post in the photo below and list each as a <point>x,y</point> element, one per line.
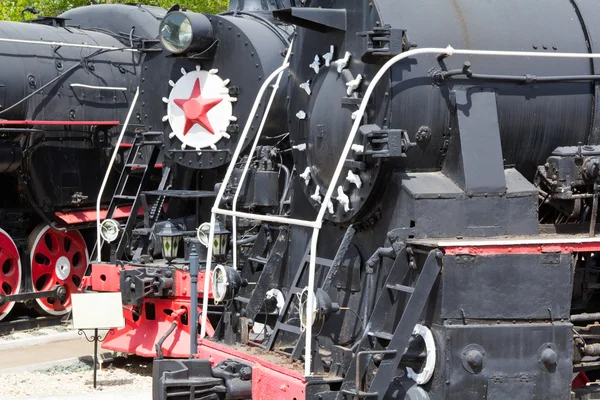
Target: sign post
<point>97,311</point>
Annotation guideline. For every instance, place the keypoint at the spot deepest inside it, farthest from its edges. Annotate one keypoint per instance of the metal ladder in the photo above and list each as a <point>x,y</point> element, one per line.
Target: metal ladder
<point>317,223</point>
<point>333,267</point>
<point>141,141</point>
<point>397,335</point>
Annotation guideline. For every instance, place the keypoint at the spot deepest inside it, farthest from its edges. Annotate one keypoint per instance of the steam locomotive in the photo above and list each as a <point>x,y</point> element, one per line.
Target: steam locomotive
<point>401,203</point>
<point>65,95</point>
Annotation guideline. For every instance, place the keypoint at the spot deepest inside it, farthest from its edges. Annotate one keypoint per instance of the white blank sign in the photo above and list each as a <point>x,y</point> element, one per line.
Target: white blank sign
<point>97,310</point>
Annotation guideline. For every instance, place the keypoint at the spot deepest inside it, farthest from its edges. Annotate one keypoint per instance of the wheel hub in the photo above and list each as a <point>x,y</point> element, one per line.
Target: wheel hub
<point>63,268</point>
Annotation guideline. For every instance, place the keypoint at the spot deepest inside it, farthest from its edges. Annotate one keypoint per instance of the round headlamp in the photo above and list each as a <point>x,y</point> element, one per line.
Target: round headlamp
<point>202,233</point>
<point>180,32</point>
<point>321,308</point>
<point>109,230</point>
<point>226,282</point>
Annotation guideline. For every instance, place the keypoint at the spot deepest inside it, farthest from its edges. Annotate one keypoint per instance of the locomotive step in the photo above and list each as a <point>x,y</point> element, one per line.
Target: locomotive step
<point>401,288</point>
<point>142,231</point>
<point>123,197</point>
<point>137,166</point>
<point>182,194</point>
<point>150,142</point>
<point>258,260</point>
<point>381,335</point>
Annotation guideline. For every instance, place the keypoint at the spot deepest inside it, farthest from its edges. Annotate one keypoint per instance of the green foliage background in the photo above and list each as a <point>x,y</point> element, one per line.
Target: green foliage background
<point>11,9</point>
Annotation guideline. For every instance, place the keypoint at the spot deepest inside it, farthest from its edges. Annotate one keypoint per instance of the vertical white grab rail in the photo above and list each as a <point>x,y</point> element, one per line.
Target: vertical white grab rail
<point>317,223</point>
<point>252,150</point>
<point>215,210</point>
<point>108,169</point>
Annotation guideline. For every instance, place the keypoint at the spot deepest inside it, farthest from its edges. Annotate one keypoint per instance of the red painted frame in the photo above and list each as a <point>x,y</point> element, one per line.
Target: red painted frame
<point>523,249</point>
<point>139,336</point>
<point>269,380</point>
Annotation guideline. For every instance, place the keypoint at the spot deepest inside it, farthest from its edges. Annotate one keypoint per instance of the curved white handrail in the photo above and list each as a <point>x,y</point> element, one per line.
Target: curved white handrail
<point>216,210</point>
<point>317,223</point>
<point>252,150</point>
<point>107,174</point>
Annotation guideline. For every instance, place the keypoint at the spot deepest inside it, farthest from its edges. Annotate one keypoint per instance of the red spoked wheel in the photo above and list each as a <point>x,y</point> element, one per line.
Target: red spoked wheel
<point>57,258</point>
<point>10,271</point>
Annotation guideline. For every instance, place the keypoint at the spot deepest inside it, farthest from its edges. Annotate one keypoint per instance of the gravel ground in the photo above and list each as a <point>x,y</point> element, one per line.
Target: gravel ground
<point>77,378</point>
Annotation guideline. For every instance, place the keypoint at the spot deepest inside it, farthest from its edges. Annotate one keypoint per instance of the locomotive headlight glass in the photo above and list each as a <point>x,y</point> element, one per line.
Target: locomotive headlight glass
<point>305,308</point>
<point>219,284</point>
<point>226,282</point>
<point>186,32</point>
<point>109,230</point>
<point>176,32</point>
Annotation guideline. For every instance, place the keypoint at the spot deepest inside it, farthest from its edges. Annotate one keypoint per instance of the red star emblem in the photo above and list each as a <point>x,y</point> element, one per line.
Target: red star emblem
<point>196,108</point>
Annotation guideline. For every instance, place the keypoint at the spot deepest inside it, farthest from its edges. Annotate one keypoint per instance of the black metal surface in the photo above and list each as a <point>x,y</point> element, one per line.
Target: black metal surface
<point>496,282</point>
<point>478,139</point>
<point>139,283</point>
<point>430,204</point>
<point>185,379</point>
<point>58,292</point>
<point>512,367</point>
<point>271,265</point>
<point>181,194</point>
<point>69,150</point>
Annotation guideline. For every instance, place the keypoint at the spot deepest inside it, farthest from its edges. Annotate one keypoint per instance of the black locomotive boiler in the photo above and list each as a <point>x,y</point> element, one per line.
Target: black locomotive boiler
<point>206,77</point>
<point>456,257</point>
<point>65,94</point>
<point>433,235</point>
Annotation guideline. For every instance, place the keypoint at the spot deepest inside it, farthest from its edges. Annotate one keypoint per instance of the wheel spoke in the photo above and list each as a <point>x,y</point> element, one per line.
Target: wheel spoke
<point>45,251</point>
<point>64,249</point>
<point>3,257</point>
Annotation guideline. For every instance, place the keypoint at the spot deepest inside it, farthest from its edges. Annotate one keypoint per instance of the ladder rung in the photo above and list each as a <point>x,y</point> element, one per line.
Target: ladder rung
<point>242,299</point>
<point>401,288</point>
<point>150,142</point>
<point>288,328</point>
<point>258,260</point>
<point>135,166</point>
<point>323,261</point>
<point>123,197</point>
<point>182,194</point>
<point>152,133</point>
<point>142,231</point>
<point>382,335</point>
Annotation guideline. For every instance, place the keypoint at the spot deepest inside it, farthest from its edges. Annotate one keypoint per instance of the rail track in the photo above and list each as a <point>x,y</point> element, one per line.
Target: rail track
<point>29,323</point>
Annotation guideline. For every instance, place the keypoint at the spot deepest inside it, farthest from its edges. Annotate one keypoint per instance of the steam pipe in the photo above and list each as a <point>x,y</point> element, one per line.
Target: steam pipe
<point>585,317</point>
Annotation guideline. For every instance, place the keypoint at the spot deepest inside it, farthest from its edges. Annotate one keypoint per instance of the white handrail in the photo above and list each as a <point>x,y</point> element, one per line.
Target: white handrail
<point>64,44</point>
<point>110,165</point>
<point>230,168</point>
<point>81,85</point>
<point>252,150</point>
<point>317,223</point>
